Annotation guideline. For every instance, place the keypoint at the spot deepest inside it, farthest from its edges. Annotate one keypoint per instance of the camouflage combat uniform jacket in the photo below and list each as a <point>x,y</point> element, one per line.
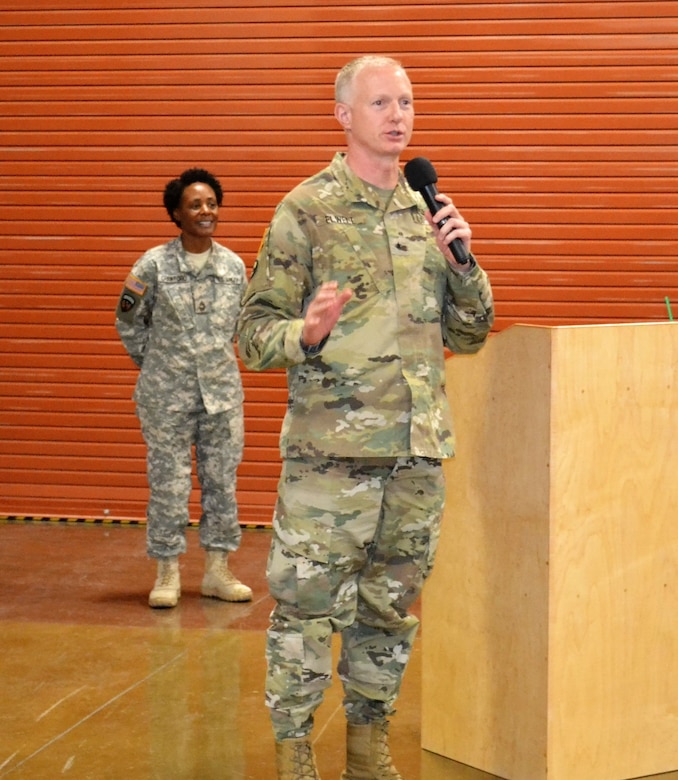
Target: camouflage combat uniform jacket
<point>376,389</point>
<point>179,327</point>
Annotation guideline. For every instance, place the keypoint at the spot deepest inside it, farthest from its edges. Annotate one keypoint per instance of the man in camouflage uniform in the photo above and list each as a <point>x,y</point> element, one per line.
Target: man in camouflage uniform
<point>176,317</point>
<point>356,293</point>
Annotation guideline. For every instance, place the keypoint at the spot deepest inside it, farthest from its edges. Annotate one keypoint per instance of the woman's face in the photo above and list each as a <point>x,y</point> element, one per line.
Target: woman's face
<point>198,212</point>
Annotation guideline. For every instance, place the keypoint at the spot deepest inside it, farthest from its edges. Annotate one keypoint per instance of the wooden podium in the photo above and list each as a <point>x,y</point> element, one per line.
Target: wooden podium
<point>550,623</point>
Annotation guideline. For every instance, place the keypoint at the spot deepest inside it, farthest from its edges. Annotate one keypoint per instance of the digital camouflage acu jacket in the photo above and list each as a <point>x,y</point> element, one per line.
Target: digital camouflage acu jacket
<point>179,327</point>
<point>377,387</point>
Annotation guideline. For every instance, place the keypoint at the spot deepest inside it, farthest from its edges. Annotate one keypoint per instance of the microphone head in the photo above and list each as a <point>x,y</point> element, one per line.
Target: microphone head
<point>420,173</point>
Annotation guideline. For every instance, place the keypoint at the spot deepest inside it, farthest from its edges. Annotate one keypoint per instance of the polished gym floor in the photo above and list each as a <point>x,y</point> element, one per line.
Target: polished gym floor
<point>96,685</point>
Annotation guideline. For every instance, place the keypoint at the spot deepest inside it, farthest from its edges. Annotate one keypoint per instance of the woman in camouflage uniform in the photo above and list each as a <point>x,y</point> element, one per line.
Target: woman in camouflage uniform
<point>176,317</point>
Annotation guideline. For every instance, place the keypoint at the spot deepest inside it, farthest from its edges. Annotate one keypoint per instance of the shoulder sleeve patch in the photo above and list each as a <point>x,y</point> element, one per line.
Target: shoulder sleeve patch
<point>131,295</point>
<point>126,305</point>
<point>135,285</point>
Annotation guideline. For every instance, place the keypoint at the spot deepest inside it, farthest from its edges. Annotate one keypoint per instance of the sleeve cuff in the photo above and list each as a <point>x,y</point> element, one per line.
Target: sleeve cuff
<point>312,349</point>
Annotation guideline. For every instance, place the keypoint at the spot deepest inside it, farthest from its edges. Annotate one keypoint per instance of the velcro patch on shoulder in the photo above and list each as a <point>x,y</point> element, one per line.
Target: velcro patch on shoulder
<point>127,302</point>
<point>135,285</point>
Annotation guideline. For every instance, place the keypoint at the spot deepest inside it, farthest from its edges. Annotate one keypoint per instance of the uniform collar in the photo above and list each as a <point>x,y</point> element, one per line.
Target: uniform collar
<point>361,192</point>
<point>184,266</point>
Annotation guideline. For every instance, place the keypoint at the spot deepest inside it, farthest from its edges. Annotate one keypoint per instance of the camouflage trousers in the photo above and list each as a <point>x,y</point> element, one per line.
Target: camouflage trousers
<point>169,437</point>
<point>354,540</point>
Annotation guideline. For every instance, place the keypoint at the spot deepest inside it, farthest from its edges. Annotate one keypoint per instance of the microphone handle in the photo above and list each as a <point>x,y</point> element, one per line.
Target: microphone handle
<point>458,248</point>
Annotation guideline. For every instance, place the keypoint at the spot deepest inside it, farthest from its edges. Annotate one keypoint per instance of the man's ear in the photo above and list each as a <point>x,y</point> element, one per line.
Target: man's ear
<point>342,112</point>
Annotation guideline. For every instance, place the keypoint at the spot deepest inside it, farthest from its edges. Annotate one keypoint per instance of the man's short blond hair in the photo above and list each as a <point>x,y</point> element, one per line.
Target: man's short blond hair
<point>346,76</point>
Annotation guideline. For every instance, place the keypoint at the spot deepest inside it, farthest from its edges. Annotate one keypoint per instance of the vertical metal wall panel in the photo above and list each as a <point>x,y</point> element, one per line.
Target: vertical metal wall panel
<point>552,124</point>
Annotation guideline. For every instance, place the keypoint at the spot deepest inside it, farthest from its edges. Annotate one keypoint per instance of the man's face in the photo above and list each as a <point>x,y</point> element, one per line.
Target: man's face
<point>379,114</point>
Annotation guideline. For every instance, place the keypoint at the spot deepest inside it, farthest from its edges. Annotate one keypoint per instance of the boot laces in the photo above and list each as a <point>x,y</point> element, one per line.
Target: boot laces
<point>303,762</point>
<point>384,760</point>
<point>165,575</point>
<point>221,571</point>
<point>225,574</point>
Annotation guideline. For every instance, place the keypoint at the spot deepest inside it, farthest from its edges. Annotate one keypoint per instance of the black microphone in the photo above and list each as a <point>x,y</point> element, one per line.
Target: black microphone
<point>422,177</point>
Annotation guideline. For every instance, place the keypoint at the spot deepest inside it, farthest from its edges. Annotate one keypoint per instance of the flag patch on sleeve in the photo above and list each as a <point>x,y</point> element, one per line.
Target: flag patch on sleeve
<point>135,285</point>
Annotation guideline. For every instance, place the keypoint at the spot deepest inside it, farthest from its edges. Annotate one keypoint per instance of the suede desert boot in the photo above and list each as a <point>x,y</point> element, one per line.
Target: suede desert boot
<point>167,588</point>
<point>219,581</point>
<point>295,760</point>
<point>368,756</point>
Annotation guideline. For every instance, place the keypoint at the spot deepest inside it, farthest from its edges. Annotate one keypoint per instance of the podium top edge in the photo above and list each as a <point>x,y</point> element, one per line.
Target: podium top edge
<point>607,325</point>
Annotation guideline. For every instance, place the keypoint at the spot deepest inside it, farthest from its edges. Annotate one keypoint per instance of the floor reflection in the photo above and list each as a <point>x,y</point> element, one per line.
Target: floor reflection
<point>95,685</point>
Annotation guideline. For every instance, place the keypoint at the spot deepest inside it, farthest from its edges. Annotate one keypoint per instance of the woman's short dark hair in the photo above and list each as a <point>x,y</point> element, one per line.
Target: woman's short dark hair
<point>175,189</point>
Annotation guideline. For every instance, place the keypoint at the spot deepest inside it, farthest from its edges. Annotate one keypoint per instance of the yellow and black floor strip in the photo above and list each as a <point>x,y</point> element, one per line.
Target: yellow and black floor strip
<point>29,519</point>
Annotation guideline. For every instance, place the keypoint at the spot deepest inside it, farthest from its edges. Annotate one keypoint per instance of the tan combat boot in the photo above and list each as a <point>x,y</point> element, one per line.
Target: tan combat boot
<point>367,753</point>
<point>167,588</point>
<point>220,582</point>
<point>294,760</point>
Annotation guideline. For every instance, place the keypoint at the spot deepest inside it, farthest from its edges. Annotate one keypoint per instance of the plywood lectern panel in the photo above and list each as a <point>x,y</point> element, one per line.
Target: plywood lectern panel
<point>550,647</point>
